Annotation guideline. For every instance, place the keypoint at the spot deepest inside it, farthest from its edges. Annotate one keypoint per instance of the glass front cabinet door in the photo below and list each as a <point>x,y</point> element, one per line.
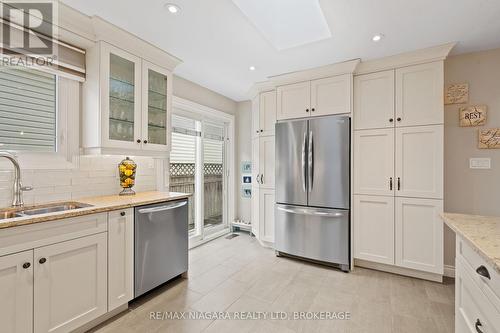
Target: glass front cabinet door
<point>135,106</point>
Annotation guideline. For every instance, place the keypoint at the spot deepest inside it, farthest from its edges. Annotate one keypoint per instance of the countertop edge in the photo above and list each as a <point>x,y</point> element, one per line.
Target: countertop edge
<point>86,211</point>
<point>448,220</point>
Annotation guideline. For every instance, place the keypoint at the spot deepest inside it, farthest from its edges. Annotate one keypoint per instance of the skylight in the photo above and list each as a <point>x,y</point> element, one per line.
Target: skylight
<point>286,23</point>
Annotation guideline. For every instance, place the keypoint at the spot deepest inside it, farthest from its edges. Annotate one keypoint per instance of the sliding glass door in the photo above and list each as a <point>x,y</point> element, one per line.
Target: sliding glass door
<point>198,166</point>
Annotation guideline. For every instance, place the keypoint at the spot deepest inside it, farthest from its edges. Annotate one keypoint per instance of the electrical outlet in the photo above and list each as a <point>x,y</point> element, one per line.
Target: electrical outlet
<point>480,163</point>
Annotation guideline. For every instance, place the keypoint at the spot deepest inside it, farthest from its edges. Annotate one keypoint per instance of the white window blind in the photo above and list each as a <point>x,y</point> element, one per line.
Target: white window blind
<point>27,110</point>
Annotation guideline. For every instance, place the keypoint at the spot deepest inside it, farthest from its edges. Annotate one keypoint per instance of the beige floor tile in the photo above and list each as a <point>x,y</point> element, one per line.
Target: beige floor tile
<point>221,297</point>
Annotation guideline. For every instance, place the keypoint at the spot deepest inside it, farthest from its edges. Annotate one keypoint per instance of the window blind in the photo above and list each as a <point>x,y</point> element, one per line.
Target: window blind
<point>27,110</point>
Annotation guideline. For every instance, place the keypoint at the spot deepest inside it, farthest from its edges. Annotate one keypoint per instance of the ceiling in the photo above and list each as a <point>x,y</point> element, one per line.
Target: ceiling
<point>218,43</point>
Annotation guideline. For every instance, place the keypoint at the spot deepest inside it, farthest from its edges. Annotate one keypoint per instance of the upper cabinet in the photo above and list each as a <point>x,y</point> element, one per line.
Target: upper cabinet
<point>315,98</point>
<point>407,96</point>
<point>419,94</point>
<point>374,100</point>
<point>128,106</point>
<point>264,114</point>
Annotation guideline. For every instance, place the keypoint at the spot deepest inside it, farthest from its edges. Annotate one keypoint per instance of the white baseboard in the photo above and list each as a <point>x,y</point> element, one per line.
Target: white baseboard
<point>399,270</point>
<point>449,271</point>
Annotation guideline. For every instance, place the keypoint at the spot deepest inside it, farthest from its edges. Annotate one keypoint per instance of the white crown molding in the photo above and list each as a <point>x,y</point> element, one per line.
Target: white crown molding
<point>260,87</point>
<point>105,31</point>
<point>435,53</point>
<point>346,67</point>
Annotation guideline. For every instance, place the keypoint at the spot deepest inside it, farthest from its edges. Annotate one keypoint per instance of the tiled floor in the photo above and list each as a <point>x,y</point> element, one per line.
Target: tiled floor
<point>240,275</point>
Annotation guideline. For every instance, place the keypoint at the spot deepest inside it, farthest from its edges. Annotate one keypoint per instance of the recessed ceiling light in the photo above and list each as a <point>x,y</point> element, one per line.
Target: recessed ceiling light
<point>172,8</point>
<point>252,68</point>
<point>377,37</point>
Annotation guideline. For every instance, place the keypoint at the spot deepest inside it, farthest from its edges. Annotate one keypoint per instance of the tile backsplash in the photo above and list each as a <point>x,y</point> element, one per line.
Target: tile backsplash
<point>94,176</point>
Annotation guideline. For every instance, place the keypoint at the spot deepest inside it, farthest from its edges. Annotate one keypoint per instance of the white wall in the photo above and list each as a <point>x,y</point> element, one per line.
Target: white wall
<point>243,153</point>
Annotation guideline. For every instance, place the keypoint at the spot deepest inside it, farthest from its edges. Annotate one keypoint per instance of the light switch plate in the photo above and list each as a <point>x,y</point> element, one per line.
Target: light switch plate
<point>480,163</point>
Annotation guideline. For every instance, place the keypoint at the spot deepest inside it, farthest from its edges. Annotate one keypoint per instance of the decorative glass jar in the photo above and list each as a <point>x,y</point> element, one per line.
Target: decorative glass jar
<point>127,169</point>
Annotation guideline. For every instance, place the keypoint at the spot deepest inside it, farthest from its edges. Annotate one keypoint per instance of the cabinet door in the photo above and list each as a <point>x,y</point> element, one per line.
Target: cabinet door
<point>294,100</point>
<point>374,100</point>
<point>254,214</point>
<point>266,215</point>
<point>267,113</point>
<point>374,162</point>
<point>255,117</point>
<point>419,95</point>
<point>419,162</point>
<point>374,228</point>
<point>331,95</point>
<point>419,234</point>
<point>255,188</point>
<point>156,106</point>
<point>70,283</point>
<point>266,161</point>
<point>121,98</point>
<point>120,257</point>
<point>16,292</point>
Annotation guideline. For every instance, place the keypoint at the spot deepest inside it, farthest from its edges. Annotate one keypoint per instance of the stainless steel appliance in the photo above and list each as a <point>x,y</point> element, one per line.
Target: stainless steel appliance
<point>313,189</point>
<point>161,244</point>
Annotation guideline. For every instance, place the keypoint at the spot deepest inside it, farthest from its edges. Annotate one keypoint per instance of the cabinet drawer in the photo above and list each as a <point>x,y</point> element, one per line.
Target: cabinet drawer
<point>25,237</point>
<point>472,260</point>
<point>474,312</point>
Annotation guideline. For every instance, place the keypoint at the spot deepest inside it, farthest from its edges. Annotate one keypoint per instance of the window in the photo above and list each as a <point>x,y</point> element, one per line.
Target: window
<point>27,110</point>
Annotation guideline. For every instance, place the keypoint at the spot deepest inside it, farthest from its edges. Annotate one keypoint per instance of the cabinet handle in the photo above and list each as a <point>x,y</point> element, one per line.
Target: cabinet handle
<point>307,110</point>
<point>42,261</point>
<point>477,325</point>
<point>313,110</point>
<point>261,131</point>
<point>262,179</point>
<point>258,178</point>
<point>138,140</point>
<point>483,271</point>
<point>26,265</point>
<point>399,119</point>
<point>257,131</point>
<point>399,184</point>
<point>122,213</point>
<point>391,120</point>
<point>390,183</point>
<point>145,141</point>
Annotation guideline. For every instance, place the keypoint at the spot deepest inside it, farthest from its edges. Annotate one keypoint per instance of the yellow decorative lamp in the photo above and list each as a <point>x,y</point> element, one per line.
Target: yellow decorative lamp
<point>127,169</point>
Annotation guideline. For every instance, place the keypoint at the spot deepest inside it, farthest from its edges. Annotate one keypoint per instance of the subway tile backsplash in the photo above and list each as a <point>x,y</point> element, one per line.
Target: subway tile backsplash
<point>96,175</point>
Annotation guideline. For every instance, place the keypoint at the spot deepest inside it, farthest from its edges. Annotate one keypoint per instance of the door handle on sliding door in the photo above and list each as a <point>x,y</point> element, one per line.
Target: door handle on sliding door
<point>310,162</point>
<point>303,162</point>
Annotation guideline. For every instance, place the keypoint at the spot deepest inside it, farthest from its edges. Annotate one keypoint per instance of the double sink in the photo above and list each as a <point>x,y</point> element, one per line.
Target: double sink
<point>10,213</point>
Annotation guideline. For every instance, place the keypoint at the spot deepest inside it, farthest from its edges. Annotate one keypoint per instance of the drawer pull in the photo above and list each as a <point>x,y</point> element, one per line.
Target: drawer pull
<point>483,271</point>
<point>477,325</point>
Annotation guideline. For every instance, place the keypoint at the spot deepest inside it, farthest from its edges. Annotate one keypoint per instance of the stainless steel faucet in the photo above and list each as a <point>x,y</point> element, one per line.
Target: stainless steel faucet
<point>18,188</point>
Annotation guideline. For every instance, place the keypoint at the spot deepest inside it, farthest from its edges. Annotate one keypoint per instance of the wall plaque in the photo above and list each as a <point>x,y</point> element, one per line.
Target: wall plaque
<point>472,115</point>
<point>489,138</point>
<point>456,94</point>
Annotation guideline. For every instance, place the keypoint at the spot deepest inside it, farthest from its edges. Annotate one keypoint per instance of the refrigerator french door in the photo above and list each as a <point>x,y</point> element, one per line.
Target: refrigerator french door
<point>313,189</point>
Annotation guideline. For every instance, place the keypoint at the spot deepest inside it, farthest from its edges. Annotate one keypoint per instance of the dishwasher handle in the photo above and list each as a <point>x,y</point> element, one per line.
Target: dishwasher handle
<point>162,208</point>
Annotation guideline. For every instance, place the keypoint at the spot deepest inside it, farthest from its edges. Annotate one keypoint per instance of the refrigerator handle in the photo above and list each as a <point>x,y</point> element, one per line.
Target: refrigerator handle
<point>304,169</point>
<point>310,161</point>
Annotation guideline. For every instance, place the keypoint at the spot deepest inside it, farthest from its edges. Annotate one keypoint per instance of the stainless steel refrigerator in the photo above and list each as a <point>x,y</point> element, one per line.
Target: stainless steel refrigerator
<point>313,189</point>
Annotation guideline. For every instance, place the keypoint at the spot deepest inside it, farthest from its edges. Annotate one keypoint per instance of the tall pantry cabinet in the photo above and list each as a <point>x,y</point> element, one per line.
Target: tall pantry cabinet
<point>263,155</point>
<point>398,167</point>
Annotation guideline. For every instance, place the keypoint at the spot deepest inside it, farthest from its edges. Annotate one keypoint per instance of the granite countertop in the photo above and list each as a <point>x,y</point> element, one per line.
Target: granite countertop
<point>481,232</point>
<point>99,205</point>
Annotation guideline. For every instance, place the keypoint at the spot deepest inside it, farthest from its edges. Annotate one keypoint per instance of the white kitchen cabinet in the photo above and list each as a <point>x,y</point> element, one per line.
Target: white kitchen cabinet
<point>126,103</point>
<point>319,97</point>
<point>374,228</point>
<point>120,257</point>
<point>267,113</point>
<point>70,285</point>
<point>419,234</point>
<point>331,95</point>
<point>419,161</point>
<point>255,117</point>
<point>294,100</point>
<point>254,214</point>
<point>419,94</point>
<point>266,175</point>
<point>374,162</point>
<point>374,100</point>
<point>16,292</point>
<point>266,214</point>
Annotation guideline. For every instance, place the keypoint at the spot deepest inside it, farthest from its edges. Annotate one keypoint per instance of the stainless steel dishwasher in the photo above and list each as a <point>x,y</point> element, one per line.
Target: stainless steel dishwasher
<point>161,244</point>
